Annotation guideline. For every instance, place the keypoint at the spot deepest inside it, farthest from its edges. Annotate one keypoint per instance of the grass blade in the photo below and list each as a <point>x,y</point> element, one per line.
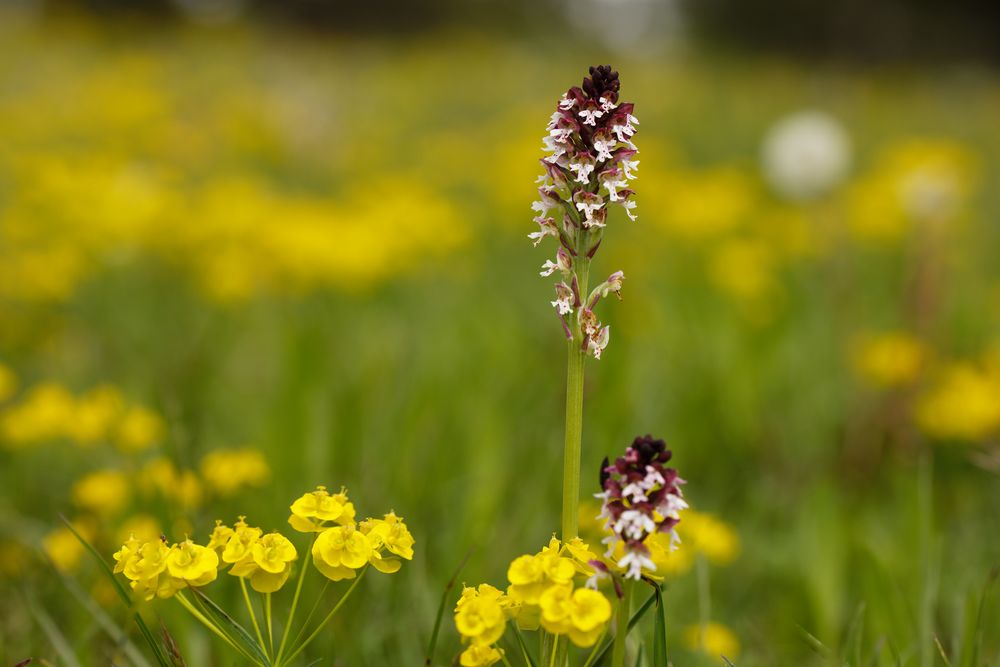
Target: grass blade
<point>659,631</point>
<point>636,617</point>
<point>234,629</point>
<point>123,593</point>
<point>432,644</point>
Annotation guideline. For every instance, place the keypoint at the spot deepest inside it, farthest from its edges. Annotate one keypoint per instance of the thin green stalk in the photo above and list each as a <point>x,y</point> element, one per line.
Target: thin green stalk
<point>267,618</point>
<point>312,612</point>
<point>622,625</point>
<point>295,602</point>
<point>594,651</point>
<point>555,647</point>
<point>253,616</point>
<point>326,620</point>
<point>574,411</point>
<point>211,626</point>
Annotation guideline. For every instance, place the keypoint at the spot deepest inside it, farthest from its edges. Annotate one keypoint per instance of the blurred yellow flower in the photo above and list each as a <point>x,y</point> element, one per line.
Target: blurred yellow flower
<point>889,358</point>
<point>713,639</point>
<point>699,205</point>
<point>226,471</point>
<point>743,269</point>
<point>963,404</point>
<point>708,535</point>
<point>144,527</point>
<point>8,383</point>
<point>140,428</point>
<point>95,414</point>
<point>103,491</point>
<point>62,547</point>
<point>45,413</point>
<point>916,181</point>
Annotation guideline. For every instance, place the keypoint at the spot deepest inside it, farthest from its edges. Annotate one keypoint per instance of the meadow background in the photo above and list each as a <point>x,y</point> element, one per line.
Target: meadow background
<point>241,257</point>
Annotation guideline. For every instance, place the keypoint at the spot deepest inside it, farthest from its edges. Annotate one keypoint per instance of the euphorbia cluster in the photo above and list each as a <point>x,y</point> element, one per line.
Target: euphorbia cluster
<point>341,548</point>
<point>543,592</point>
<point>640,498</point>
<point>590,164</point>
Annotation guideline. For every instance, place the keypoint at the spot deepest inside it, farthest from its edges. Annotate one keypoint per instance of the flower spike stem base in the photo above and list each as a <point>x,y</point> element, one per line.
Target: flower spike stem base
<point>574,437</point>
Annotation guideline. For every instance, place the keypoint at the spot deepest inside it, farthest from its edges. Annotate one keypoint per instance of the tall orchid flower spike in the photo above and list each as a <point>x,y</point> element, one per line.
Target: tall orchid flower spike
<point>589,165</point>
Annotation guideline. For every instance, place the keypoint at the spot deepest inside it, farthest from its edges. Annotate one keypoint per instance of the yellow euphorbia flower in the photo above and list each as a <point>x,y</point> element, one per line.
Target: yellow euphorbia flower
<point>479,655</point>
<point>530,576</point>
<point>580,614</point>
<point>63,548</point>
<point>388,534</point>
<point>340,550</point>
<point>194,564</point>
<point>220,536</point>
<point>239,548</point>
<point>312,510</point>
<point>273,554</point>
<point>480,619</point>
<point>964,404</point>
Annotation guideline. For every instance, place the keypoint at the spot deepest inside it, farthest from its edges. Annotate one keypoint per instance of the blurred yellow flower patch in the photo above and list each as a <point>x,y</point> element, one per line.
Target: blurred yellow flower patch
<point>889,358</point>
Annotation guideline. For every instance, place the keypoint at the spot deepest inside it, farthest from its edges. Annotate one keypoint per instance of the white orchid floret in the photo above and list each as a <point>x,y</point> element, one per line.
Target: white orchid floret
<point>633,562</point>
<point>590,116</point>
<point>604,145</point>
<point>613,284</point>
<point>629,205</point>
<point>623,132</point>
<point>551,145</point>
<point>588,203</point>
<point>607,105</point>
<point>671,506</point>
<point>635,493</point>
<point>566,102</point>
<point>596,344</point>
<point>547,227</point>
<point>613,184</point>
<point>627,167</point>
<point>582,164</point>
<point>564,299</point>
<point>653,477</point>
<point>634,524</point>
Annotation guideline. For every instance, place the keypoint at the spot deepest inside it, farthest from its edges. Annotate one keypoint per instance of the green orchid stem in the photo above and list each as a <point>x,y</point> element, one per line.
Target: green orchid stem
<point>574,414</point>
<point>253,616</point>
<point>326,620</point>
<point>622,623</point>
<point>295,603</point>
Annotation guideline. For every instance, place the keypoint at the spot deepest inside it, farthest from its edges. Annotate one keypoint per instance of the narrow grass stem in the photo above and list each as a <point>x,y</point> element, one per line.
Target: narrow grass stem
<point>574,411</point>
<point>555,651</point>
<point>622,625</point>
<point>253,616</point>
<point>211,626</point>
<point>326,620</point>
<point>267,621</point>
<point>594,651</point>
<point>295,602</point>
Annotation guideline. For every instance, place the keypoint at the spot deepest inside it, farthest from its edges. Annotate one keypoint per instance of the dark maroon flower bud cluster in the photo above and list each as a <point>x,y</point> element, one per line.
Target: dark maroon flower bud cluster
<point>641,496</point>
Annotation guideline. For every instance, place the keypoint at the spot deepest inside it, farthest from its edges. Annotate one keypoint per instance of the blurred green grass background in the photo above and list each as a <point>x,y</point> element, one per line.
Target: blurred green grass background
<point>315,248</point>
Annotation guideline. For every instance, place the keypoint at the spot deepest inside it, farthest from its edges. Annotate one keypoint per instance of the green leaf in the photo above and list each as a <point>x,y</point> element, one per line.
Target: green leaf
<point>236,631</point>
<point>855,633</point>
<point>124,594</point>
<point>636,617</point>
<point>440,612</point>
<point>659,631</point>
